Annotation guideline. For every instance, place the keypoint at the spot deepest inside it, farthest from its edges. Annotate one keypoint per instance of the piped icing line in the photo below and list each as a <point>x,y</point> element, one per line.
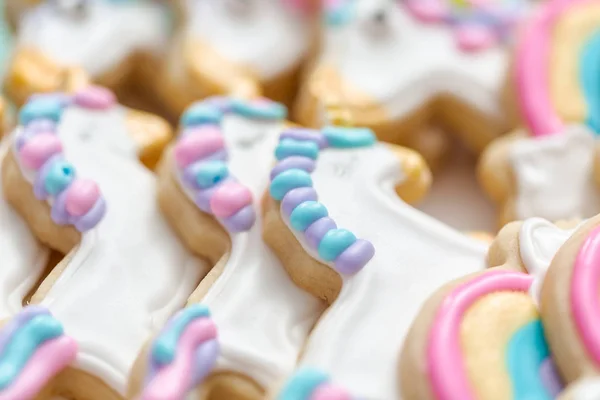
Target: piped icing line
<point>182,355</point>
<point>312,384</point>
<point>39,151</point>
<point>527,351</point>
<point>590,76</point>
<point>585,306</point>
<point>292,185</point>
<point>477,25</point>
<point>532,68</point>
<point>201,158</point>
<point>33,349</point>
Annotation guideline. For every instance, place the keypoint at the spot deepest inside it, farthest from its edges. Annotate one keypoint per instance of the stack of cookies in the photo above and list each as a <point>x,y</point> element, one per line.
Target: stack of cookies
<point>300,200</point>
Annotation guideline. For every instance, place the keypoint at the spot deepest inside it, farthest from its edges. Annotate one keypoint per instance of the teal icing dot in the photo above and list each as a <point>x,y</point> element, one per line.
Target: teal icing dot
<point>201,114</point>
<point>303,384</point>
<point>42,108</point>
<point>345,138</point>
<point>525,353</point>
<point>288,180</point>
<point>60,175</point>
<point>306,213</point>
<point>334,243</point>
<point>24,344</point>
<point>290,147</point>
<point>267,110</point>
<point>165,345</point>
<point>210,173</point>
<point>340,14</point>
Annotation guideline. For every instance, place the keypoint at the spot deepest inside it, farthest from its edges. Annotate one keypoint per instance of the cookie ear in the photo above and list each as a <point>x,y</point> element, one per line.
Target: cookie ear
<point>416,173</point>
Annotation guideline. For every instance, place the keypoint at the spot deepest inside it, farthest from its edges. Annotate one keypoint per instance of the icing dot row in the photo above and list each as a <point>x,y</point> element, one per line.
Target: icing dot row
<point>292,185</point>
<point>201,158</point>
<point>311,384</point>
<point>75,201</point>
<point>182,355</point>
<point>33,349</point>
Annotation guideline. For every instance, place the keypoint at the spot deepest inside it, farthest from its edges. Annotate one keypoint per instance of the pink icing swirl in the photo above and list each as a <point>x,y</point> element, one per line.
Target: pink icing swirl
<point>445,364</point>
<point>95,97</point>
<point>197,144</point>
<point>585,304</point>
<point>36,151</point>
<point>82,195</point>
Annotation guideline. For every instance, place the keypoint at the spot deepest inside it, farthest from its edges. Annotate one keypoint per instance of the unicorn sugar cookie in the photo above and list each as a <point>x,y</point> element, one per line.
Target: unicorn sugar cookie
<point>238,47</point>
<point>549,168</point>
<point>73,172</point>
<point>399,65</point>
<point>211,185</point>
<point>34,349</point>
<point>569,303</point>
<point>344,235</point>
<point>487,326</point>
<point>62,43</point>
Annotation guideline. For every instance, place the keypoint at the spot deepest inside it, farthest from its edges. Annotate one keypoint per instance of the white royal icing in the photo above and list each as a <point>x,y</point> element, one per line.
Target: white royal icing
<point>267,36</point>
<point>23,259</point>
<point>100,37</point>
<point>407,63</point>
<point>130,273</point>
<point>587,389</point>
<point>262,317</point>
<point>359,338</point>
<point>555,175</point>
<point>539,241</point>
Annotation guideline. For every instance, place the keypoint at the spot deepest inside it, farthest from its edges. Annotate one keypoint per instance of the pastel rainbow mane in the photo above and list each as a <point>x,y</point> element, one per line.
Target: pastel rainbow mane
<point>33,349</point>
<point>537,64</point>
<point>526,359</point>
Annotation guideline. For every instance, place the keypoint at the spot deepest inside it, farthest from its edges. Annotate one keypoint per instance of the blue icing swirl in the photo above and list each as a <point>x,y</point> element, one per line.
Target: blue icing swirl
<point>590,80</point>
<point>263,109</point>
<point>306,213</point>
<point>334,243</point>
<point>341,13</point>
<point>41,108</point>
<point>346,138</point>
<point>526,351</point>
<point>210,173</point>
<point>60,175</point>
<point>23,345</point>
<point>201,113</point>
<point>165,346</point>
<point>303,384</point>
<point>288,180</point>
<point>290,147</point>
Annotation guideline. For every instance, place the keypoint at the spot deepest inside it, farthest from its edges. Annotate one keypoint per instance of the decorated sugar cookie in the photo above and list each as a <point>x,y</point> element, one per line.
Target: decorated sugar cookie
<point>23,259</point>
<point>398,65</point>
<point>479,337</point>
<point>73,172</point>
<point>548,168</point>
<point>60,43</point>
<point>211,184</point>
<point>241,47</point>
<point>343,234</point>
<point>33,350</point>
<point>569,305</point>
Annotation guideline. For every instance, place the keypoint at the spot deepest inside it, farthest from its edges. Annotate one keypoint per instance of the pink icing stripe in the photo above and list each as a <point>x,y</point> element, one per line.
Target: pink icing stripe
<point>174,380</point>
<point>445,364</point>
<point>330,392</point>
<point>51,358</point>
<point>584,294</point>
<point>230,198</point>
<point>532,69</point>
